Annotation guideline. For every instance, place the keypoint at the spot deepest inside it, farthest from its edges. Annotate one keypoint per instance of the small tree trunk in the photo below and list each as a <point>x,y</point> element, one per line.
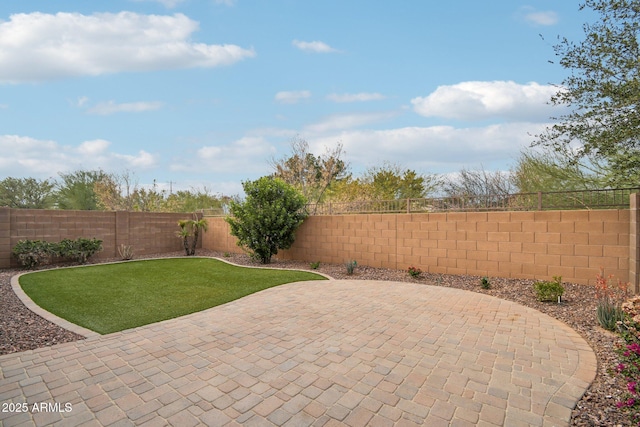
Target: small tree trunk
<point>185,242</point>
<point>194,242</point>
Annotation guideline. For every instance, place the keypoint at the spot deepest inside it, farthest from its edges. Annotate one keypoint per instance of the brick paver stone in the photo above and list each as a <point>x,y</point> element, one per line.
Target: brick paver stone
<point>342,352</point>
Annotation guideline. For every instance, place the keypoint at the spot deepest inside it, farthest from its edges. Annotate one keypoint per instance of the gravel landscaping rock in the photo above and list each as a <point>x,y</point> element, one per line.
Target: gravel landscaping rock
<point>21,329</point>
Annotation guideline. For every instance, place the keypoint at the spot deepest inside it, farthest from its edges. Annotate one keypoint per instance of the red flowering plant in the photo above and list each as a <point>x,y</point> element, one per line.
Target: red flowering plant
<point>610,297</point>
<point>414,272</point>
<point>624,317</point>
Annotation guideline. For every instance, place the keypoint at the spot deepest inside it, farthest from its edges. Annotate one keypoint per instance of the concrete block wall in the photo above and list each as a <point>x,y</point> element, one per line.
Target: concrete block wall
<point>218,236</point>
<point>634,242</point>
<point>541,244</point>
<point>536,245</point>
<point>146,232</point>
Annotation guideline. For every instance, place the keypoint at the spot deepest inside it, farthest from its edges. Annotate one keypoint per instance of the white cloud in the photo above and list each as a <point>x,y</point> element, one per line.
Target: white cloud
<point>82,101</point>
<point>94,148</point>
<point>314,46</point>
<point>346,121</point>
<point>30,157</point>
<point>482,100</point>
<point>292,97</point>
<point>143,160</point>
<point>538,18</point>
<point>38,46</point>
<point>246,155</point>
<point>355,97</point>
<point>434,149</point>
<point>110,107</point>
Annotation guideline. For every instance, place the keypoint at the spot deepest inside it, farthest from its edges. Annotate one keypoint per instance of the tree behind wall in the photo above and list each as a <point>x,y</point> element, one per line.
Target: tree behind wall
<point>602,91</point>
<point>310,174</point>
<point>556,170</point>
<point>26,193</point>
<point>76,191</point>
<point>267,219</point>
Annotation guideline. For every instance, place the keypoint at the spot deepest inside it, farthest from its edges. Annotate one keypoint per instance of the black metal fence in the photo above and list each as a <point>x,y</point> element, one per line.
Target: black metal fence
<point>555,200</point>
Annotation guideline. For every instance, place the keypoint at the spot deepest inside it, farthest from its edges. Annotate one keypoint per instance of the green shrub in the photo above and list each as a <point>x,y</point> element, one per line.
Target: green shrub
<point>32,253</point>
<point>485,283</point>
<point>315,265</point>
<point>79,250</point>
<point>549,290</point>
<point>267,219</point>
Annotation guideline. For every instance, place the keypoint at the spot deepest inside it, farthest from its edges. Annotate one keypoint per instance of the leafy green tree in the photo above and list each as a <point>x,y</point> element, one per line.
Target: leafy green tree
<point>556,170</point>
<point>348,189</point>
<point>385,182</point>
<point>602,92</point>
<point>390,182</point>
<point>267,219</point>
<point>26,193</point>
<point>310,174</point>
<point>149,200</point>
<point>195,200</point>
<point>76,191</point>
<point>121,192</point>
<point>623,169</point>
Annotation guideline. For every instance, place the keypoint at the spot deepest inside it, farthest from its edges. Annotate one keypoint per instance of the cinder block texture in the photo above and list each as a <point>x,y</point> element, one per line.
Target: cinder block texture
<point>540,245</point>
<point>145,232</point>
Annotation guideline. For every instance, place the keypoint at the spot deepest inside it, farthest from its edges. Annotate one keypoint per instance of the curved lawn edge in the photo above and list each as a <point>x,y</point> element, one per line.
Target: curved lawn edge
<point>47,315</point>
<point>88,333</point>
<point>266,268</point>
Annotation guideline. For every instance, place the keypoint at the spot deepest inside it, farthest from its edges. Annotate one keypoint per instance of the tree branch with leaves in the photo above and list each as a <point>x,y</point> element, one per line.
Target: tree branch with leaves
<point>602,91</point>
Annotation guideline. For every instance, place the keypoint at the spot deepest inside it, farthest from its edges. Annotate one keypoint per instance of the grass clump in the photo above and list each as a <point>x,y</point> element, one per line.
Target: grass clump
<point>113,297</point>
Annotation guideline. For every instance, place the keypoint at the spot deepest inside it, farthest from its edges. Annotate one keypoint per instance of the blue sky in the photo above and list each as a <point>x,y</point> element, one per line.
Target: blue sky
<point>195,93</point>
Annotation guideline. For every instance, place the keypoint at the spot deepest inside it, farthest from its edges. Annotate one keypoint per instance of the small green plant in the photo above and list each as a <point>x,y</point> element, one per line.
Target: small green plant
<point>414,272</point>
<point>485,283</point>
<point>610,298</point>
<point>125,251</point>
<point>350,265</point>
<point>549,290</point>
<point>226,254</point>
<point>32,253</point>
<point>315,265</point>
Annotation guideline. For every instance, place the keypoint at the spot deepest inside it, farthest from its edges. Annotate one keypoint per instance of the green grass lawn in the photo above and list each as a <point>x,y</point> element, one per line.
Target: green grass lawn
<point>113,297</point>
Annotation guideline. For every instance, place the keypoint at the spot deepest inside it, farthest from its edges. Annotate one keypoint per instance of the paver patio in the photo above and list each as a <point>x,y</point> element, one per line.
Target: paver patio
<point>324,353</point>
